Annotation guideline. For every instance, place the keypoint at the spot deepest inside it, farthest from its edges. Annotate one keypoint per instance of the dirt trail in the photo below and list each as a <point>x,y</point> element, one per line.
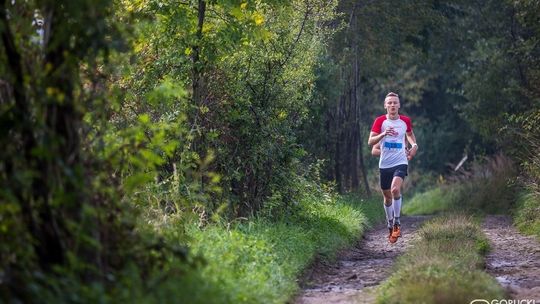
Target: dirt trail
<point>514,259</point>
<point>358,271</point>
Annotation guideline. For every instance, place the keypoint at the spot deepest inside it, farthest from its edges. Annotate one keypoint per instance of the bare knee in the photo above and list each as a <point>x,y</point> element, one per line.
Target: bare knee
<point>396,193</point>
<point>387,198</point>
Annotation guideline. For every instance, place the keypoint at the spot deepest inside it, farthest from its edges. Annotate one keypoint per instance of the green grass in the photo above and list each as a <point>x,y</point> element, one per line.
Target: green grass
<point>483,194</point>
<point>260,260</point>
<point>371,208</point>
<point>436,200</point>
<point>527,213</point>
<point>489,189</point>
<point>443,266</point>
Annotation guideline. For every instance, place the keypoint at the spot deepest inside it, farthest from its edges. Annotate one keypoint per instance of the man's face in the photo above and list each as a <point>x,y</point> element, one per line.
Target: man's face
<point>391,104</point>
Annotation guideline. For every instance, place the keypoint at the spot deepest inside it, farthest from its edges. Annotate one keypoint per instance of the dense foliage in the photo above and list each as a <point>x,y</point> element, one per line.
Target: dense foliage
<point>465,71</point>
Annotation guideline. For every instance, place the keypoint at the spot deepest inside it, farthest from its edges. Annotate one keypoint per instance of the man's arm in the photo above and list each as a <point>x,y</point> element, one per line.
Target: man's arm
<point>375,138</point>
<point>376,150</point>
<point>414,147</point>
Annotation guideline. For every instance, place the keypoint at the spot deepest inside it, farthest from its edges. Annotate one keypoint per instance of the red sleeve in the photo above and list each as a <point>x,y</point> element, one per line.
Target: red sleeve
<point>408,122</point>
<point>377,124</point>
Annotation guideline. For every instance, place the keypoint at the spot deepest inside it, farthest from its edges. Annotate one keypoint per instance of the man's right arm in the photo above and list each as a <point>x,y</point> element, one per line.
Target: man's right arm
<point>375,138</point>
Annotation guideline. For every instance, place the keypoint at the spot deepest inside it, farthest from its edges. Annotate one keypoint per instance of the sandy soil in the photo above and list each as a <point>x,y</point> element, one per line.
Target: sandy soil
<point>358,271</point>
<point>514,259</point>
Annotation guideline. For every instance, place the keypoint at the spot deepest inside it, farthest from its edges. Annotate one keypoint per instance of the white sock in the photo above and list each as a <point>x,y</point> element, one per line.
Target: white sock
<point>397,209</point>
<point>389,214</point>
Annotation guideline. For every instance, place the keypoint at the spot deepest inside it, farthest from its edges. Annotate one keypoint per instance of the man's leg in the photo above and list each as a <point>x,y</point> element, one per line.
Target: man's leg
<point>388,208</point>
<point>396,202</point>
<point>396,196</point>
<point>386,189</point>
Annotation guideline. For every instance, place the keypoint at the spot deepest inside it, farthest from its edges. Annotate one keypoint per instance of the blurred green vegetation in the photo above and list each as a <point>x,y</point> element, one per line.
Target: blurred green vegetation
<point>528,205</point>
<point>526,213</point>
<point>487,186</point>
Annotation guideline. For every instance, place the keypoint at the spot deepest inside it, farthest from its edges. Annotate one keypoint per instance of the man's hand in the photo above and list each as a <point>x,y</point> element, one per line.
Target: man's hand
<point>411,152</point>
<point>390,131</point>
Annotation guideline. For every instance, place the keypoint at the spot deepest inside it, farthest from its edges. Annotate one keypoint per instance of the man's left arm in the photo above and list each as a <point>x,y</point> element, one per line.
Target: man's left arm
<point>414,147</point>
<point>376,150</point>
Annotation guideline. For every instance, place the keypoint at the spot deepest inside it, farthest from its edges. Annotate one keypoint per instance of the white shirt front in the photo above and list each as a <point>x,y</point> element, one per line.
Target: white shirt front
<point>393,151</point>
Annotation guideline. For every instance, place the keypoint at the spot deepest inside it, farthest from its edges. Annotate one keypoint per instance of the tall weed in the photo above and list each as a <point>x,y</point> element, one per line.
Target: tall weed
<point>527,211</point>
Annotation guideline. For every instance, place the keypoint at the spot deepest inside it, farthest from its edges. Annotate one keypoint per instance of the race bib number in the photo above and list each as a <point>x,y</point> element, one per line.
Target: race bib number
<point>393,145</point>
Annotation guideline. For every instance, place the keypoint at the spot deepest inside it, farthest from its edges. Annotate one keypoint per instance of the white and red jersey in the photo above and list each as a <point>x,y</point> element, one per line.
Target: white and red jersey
<point>392,147</point>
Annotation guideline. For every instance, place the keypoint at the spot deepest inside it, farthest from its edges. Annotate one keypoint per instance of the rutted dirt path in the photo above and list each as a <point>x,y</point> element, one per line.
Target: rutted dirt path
<point>514,259</point>
<point>358,271</point>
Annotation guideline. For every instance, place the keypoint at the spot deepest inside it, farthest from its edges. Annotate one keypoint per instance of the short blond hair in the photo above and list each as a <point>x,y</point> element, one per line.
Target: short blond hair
<point>391,94</point>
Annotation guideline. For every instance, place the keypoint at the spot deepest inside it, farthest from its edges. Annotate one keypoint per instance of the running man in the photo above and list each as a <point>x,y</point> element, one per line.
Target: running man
<point>388,134</point>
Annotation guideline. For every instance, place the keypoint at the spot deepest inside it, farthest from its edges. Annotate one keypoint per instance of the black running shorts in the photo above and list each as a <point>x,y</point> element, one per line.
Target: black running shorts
<point>387,174</point>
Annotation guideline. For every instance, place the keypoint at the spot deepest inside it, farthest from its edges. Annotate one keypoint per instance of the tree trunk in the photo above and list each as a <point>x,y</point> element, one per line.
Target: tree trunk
<point>197,69</point>
<point>337,155</point>
<point>359,126</point>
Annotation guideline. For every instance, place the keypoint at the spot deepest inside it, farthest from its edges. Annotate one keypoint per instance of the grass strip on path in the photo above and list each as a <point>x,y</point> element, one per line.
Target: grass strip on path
<point>443,266</point>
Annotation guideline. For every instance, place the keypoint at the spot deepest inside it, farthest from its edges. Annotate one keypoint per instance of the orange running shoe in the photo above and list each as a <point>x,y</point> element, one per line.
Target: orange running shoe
<point>396,231</point>
<point>391,237</point>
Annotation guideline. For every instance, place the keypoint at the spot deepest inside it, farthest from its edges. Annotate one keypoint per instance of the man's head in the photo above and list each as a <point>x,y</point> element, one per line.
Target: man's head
<point>391,103</point>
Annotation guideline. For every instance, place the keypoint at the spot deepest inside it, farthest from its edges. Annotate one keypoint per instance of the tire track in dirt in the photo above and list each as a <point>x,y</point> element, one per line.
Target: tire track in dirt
<point>514,259</point>
<point>357,272</point>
